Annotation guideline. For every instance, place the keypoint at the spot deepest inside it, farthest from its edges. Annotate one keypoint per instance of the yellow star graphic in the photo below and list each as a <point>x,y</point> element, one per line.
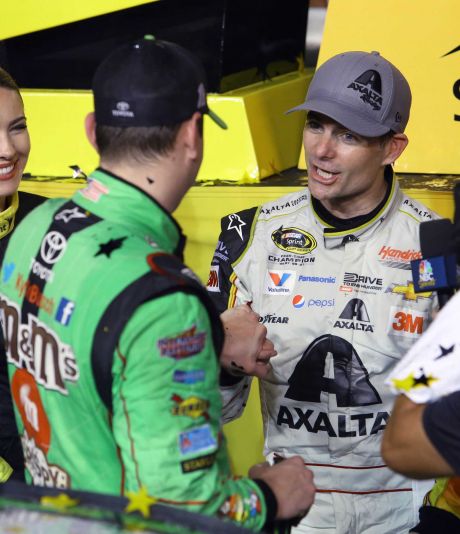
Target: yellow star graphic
<point>405,384</point>
<point>140,501</point>
<point>60,502</point>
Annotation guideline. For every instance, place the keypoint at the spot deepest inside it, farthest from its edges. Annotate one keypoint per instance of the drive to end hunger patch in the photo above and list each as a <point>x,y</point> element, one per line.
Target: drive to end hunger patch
<point>184,345</point>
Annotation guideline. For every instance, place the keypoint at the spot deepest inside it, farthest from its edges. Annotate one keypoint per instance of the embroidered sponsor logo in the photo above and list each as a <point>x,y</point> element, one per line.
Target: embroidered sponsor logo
<point>241,509</point>
<point>195,464</point>
<point>318,279</point>
<point>333,425</point>
<point>290,259</point>
<point>294,240</point>
<point>268,210</point>
<point>280,282</point>
<point>354,317</point>
<point>396,258</point>
<point>41,271</point>
<point>362,282</point>
<point>406,322</point>
<point>53,247</point>
<point>65,311</point>
<point>193,407</point>
<point>122,109</point>
<point>298,301</point>
<point>189,377</point>
<point>369,85</point>
<point>94,190</point>
<point>33,295</point>
<point>8,270</point>
<point>236,223</point>
<point>184,345</point>
<point>272,318</point>
<point>38,349</point>
<point>407,291</point>
<point>198,439</point>
<point>221,252</point>
<point>213,280</point>
<point>69,214</point>
<point>419,210</point>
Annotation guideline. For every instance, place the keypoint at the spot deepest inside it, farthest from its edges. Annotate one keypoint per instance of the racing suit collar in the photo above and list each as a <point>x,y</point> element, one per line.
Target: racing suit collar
<point>364,227</point>
<point>7,216</point>
<point>115,198</point>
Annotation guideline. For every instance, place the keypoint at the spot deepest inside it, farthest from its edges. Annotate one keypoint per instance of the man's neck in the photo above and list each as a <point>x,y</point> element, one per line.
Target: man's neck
<point>155,178</point>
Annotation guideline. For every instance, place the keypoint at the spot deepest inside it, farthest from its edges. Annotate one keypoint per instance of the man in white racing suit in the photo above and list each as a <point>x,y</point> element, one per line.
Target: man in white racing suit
<point>328,271</point>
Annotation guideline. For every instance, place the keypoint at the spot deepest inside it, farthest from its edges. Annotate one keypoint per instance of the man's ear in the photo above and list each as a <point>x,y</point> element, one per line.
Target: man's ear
<point>191,135</point>
<point>90,129</point>
<point>394,147</point>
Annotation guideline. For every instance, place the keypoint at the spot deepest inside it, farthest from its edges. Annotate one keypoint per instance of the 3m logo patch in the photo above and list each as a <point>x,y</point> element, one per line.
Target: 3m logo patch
<point>213,280</point>
<point>183,345</point>
<point>280,282</point>
<point>406,322</point>
<point>195,464</point>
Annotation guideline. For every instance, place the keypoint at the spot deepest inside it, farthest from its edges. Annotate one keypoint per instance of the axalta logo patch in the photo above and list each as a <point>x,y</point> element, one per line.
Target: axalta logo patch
<point>354,317</point>
<point>184,345</point>
<point>213,280</point>
<point>294,240</point>
<point>280,282</point>
<point>369,84</point>
<point>406,322</point>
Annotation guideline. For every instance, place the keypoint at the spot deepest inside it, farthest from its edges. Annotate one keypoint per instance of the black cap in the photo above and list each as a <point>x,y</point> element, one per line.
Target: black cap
<point>150,83</point>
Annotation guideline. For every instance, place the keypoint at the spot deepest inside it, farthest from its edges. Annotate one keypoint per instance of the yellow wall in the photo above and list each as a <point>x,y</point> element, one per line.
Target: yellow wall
<point>27,16</point>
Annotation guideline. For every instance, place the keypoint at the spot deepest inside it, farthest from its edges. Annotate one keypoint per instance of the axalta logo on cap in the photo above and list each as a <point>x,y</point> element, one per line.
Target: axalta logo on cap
<point>122,110</point>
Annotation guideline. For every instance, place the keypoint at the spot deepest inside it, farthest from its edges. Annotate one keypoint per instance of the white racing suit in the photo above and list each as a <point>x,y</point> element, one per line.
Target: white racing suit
<point>341,311</point>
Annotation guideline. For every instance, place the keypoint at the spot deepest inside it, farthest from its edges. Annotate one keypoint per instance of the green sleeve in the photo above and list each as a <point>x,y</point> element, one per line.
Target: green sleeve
<point>167,409</point>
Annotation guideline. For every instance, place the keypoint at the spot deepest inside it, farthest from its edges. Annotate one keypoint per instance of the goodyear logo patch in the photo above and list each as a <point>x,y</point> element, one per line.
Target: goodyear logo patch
<point>294,240</point>
<point>195,464</point>
<point>183,345</point>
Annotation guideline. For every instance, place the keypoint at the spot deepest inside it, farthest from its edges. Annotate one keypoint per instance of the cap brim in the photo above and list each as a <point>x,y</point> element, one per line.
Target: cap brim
<point>217,119</point>
<point>344,116</point>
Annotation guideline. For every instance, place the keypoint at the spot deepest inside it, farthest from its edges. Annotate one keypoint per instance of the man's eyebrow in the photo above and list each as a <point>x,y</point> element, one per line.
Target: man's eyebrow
<point>22,118</point>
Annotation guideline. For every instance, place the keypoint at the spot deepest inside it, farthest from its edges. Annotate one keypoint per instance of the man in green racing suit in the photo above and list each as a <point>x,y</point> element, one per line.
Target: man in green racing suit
<point>112,344</point>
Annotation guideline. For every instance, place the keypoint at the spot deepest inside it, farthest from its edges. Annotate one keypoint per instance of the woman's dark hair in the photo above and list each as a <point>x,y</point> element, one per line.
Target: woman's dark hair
<point>7,82</point>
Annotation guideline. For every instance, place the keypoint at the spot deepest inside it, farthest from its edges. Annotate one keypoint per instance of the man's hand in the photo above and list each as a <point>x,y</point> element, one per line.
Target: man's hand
<point>291,483</point>
<point>246,350</point>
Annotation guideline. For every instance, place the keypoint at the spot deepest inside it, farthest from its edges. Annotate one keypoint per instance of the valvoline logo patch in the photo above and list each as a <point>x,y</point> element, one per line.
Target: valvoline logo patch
<point>280,282</point>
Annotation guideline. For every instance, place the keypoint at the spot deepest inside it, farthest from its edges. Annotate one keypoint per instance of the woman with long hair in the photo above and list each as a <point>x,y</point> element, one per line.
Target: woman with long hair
<point>14,205</point>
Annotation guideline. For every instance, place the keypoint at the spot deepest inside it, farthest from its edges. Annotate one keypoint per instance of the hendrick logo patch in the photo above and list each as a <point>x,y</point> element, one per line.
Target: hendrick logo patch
<point>294,240</point>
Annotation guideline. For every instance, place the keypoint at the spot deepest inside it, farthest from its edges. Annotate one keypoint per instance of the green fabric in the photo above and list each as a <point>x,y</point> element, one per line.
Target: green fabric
<point>164,430</point>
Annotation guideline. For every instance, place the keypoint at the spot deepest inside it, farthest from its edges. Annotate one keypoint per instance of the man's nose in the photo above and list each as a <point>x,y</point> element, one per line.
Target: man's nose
<point>324,146</point>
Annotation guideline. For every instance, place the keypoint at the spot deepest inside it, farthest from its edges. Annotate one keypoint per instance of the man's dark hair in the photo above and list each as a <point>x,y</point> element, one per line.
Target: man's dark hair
<point>138,143</point>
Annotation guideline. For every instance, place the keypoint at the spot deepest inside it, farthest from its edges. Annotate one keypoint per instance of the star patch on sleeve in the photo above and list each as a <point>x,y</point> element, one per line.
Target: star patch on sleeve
<point>110,246</point>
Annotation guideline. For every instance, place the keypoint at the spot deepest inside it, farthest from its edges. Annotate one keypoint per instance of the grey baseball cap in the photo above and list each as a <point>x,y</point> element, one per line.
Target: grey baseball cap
<point>362,91</point>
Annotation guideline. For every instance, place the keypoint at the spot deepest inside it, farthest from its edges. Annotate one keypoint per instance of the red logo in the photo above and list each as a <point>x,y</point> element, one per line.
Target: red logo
<point>406,322</point>
<point>27,398</point>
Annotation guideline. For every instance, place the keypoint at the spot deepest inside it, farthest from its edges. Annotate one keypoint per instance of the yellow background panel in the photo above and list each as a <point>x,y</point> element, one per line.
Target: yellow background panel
<point>414,35</point>
<point>26,16</point>
<point>199,215</point>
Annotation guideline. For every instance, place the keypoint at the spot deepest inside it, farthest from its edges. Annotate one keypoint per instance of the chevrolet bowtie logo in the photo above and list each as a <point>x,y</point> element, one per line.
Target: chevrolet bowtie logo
<point>408,292</point>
